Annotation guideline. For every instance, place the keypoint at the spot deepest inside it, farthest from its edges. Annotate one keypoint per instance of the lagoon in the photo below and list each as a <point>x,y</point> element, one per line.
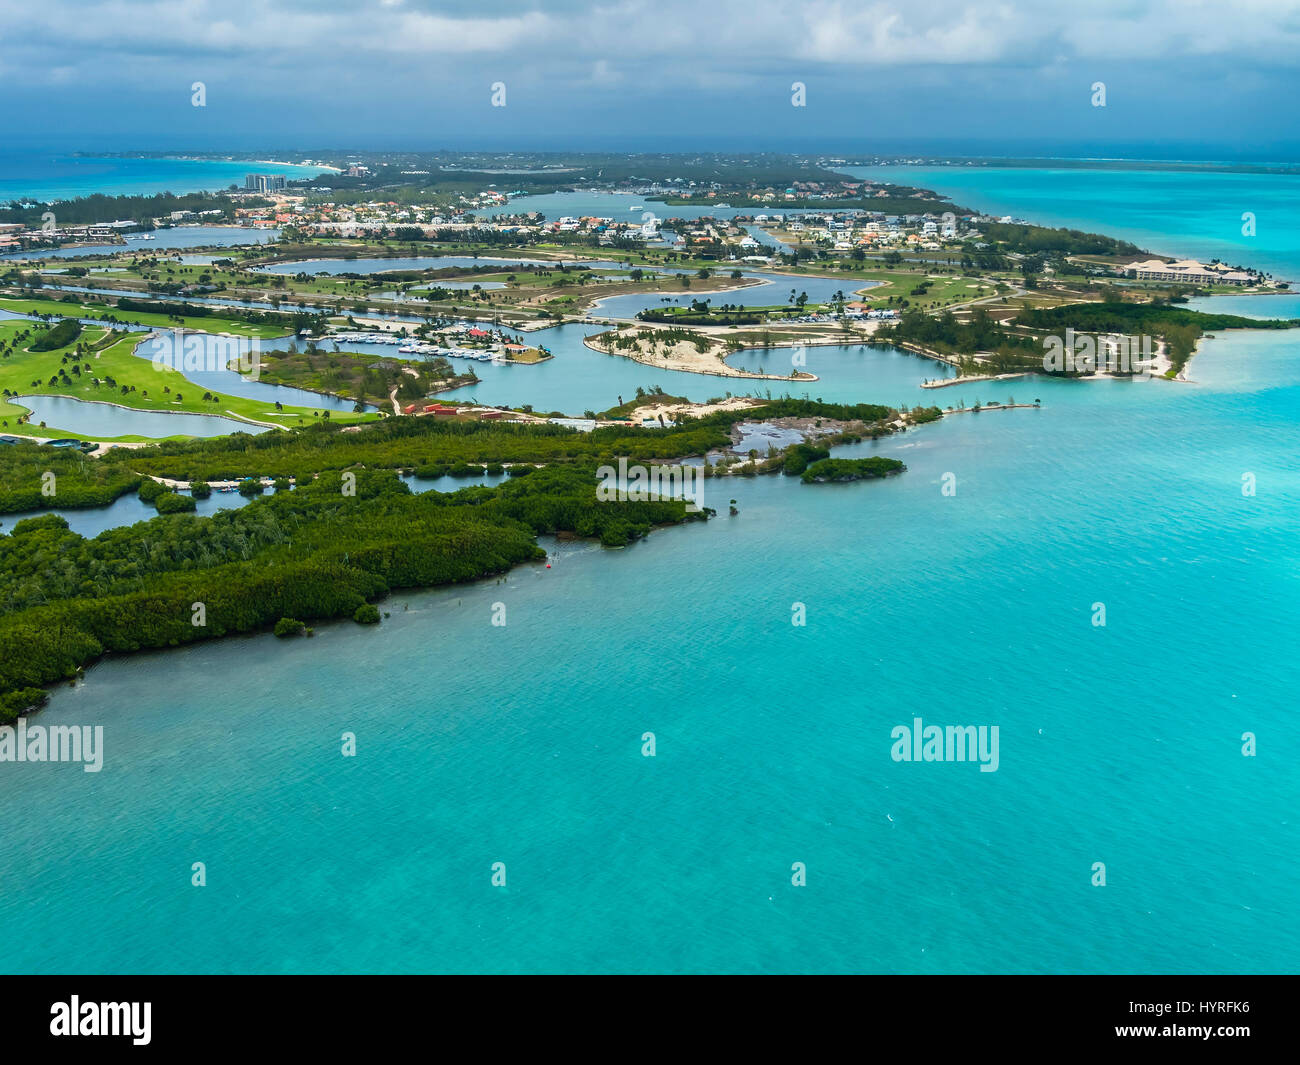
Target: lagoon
<point>772,290</point>
<point>163,240</point>
<point>129,509</point>
<point>96,421</point>
<point>124,510</point>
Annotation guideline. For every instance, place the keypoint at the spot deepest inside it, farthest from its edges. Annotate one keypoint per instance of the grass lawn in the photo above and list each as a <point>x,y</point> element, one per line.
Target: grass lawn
<point>25,372</point>
<point>103,311</point>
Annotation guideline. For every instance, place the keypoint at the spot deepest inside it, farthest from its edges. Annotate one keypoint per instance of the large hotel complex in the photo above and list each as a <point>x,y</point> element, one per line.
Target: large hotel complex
<point>1189,270</point>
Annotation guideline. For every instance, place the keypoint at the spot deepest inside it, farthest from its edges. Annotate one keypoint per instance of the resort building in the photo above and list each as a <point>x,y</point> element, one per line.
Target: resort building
<point>1189,271</point>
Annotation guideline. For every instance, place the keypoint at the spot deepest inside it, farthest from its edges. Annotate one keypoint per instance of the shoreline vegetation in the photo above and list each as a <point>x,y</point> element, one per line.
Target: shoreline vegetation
<point>1066,341</point>
<point>680,349</point>
<point>342,530</point>
<point>348,534</point>
<point>99,364</point>
<point>999,289</point>
<point>1033,163</point>
<point>843,471</point>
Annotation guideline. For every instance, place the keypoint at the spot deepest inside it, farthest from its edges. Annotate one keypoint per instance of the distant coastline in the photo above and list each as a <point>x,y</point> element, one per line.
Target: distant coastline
<point>27,178</point>
<point>1074,163</point>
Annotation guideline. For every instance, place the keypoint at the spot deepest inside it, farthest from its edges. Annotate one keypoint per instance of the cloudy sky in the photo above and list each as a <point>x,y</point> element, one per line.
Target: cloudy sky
<point>1181,76</point>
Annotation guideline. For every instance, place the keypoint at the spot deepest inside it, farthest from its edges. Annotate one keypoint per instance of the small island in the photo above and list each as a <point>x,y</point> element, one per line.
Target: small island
<point>842,471</point>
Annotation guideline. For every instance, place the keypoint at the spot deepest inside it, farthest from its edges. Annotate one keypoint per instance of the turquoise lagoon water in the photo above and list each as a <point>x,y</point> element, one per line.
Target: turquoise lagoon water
<point>522,744</point>
<point>579,379</point>
<point>771,290</point>
<point>1192,214</point>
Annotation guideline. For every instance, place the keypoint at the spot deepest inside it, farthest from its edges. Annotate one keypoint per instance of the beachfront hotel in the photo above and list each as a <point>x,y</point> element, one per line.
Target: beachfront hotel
<point>1190,271</point>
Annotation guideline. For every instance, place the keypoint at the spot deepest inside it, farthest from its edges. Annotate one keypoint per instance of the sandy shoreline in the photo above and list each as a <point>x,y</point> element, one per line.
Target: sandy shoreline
<point>687,357</point>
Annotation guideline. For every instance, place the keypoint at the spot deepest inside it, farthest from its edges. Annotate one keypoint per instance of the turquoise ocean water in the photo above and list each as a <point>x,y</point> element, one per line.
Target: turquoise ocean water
<point>43,176</point>
<point>522,744</point>
<point>1166,212</point>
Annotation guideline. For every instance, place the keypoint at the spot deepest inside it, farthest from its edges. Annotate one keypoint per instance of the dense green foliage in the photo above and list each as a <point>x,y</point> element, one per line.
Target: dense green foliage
<point>172,503</point>
<point>798,457</point>
<point>948,334</point>
<point>1181,328</point>
<point>314,552</point>
<point>150,490</point>
<point>412,443</point>
<point>369,378</point>
<point>58,336</point>
<point>20,700</point>
<point>1021,347</point>
<point>310,553</point>
<point>78,481</point>
<point>689,316</point>
<point>840,470</point>
<point>1115,317</point>
<point>1037,240</point>
<point>292,321</point>
<point>87,210</point>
